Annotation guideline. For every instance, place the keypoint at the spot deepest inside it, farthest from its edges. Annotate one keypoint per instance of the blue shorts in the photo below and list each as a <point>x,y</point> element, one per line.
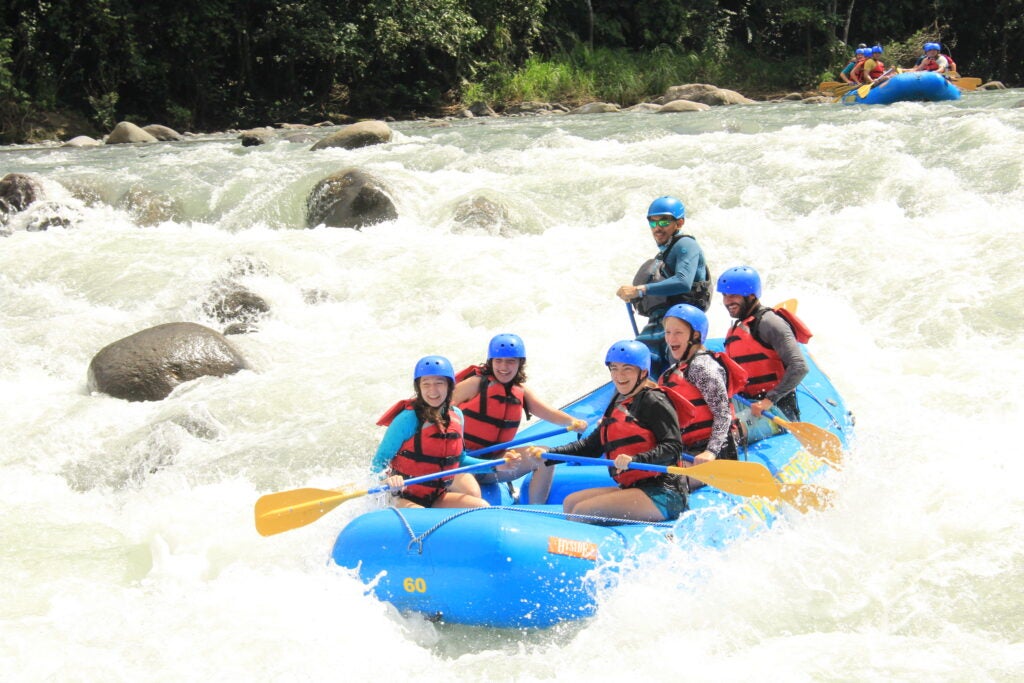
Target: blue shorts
<point>669,500</point>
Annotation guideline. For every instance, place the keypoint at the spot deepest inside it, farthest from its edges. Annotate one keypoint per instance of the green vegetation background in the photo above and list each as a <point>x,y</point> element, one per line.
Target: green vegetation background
<point>214,64</point>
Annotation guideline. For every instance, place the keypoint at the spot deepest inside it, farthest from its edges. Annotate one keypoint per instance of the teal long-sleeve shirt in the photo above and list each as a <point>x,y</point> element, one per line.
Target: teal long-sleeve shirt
<point>402,428</point>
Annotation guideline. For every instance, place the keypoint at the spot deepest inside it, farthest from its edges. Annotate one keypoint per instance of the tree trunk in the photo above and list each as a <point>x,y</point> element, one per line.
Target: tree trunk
<point>846,26</point>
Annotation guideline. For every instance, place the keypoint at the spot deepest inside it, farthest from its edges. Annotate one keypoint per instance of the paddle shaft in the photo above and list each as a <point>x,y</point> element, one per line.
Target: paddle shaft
<point>647,467</point>
<point>516,442</point>
<point>474,454</point>
<point>632,319</point>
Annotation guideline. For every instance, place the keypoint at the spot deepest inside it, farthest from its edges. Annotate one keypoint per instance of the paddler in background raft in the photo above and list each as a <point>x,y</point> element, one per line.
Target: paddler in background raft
<point>678,274</point>
<point>641,425</point>
<point>494,399</point>
<point>846,75</point>
<point>424,437</point>
<point>934,61</point>
<point>766,343</point>
<point>872,68</point>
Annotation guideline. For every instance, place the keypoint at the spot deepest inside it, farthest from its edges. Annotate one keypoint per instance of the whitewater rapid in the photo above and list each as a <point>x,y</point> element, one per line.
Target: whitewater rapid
<point>127,528</point>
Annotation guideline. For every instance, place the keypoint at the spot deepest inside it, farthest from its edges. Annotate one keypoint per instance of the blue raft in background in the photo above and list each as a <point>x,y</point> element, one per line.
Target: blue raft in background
<point>521,565</point>
<point>909,86</point>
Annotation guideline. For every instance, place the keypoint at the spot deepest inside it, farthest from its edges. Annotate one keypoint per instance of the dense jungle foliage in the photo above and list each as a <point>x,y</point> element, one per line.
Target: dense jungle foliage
<point>209,64</point>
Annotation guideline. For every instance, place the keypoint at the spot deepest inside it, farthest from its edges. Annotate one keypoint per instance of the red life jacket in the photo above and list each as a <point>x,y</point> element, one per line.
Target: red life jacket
<point>698,429</point>
<point>764,367</point>
<point>622,434</point>
<point>430,450</point>
<point>930,64</point>
<point>493,415</point>
<point>878,70</point>
<point>857,74</point>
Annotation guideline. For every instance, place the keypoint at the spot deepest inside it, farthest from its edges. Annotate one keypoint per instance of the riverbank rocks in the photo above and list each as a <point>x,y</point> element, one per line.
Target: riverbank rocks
<point>163,133</point>
<point>595,108</point>
<point>682,105</point>
<point>349,199</point>
<point>148,365</point>
<point>127,133</point>
<point>644,108</point>
<point>481,109</point>
<point>536,108</point>
<point>706,94</point>
<point>256,136</point>
<point>82,141</point>
<point>362,134</point>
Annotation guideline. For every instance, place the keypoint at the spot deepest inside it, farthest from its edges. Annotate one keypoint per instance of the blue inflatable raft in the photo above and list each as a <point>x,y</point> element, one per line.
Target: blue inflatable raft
<point>521,565</point>
<point>910,86</point>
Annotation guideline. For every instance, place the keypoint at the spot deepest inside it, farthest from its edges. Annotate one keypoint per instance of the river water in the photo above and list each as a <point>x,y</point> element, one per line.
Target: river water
<point>129,551</point>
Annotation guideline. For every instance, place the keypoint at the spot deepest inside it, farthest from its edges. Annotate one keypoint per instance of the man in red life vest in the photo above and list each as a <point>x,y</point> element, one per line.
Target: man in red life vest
<point>933,61</point>
<point>765,342</point>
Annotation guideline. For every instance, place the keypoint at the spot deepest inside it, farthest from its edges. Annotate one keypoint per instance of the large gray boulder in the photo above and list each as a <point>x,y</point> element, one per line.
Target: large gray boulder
<point>163,133</point>
<point>149,207</point>
<point>17,192</point>
<point>148,365</point>
<point>481,109</point>
<point>682,105</point>
<point>483,214</point>
<point>127,133</point>
<point>349,199</point>
<point>82,141</point>
<point>25,193</point>
<point>362,134</point>
<point>710,95</point>
<point>596,108</point>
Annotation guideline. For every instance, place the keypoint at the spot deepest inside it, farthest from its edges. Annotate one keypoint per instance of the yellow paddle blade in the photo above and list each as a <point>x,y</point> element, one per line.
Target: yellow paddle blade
<point>807,497</point>
<point>819,442</point>
<point>863,90</point>
<point>789,304</point>
<point>829,86</point>
<point>277,512</point>
<point>735,477</point>
<point>967,83</point>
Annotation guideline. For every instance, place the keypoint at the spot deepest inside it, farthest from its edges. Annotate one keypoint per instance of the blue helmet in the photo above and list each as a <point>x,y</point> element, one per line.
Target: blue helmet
<point>630,352</point>
<point>932,46</point>
<point>506,346</point>
<point>667,206</point>
<point>742,280</point>
<point>692,316</point>
<point>877,50</point>
<point>860,51</point>
<point>433,365</point>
